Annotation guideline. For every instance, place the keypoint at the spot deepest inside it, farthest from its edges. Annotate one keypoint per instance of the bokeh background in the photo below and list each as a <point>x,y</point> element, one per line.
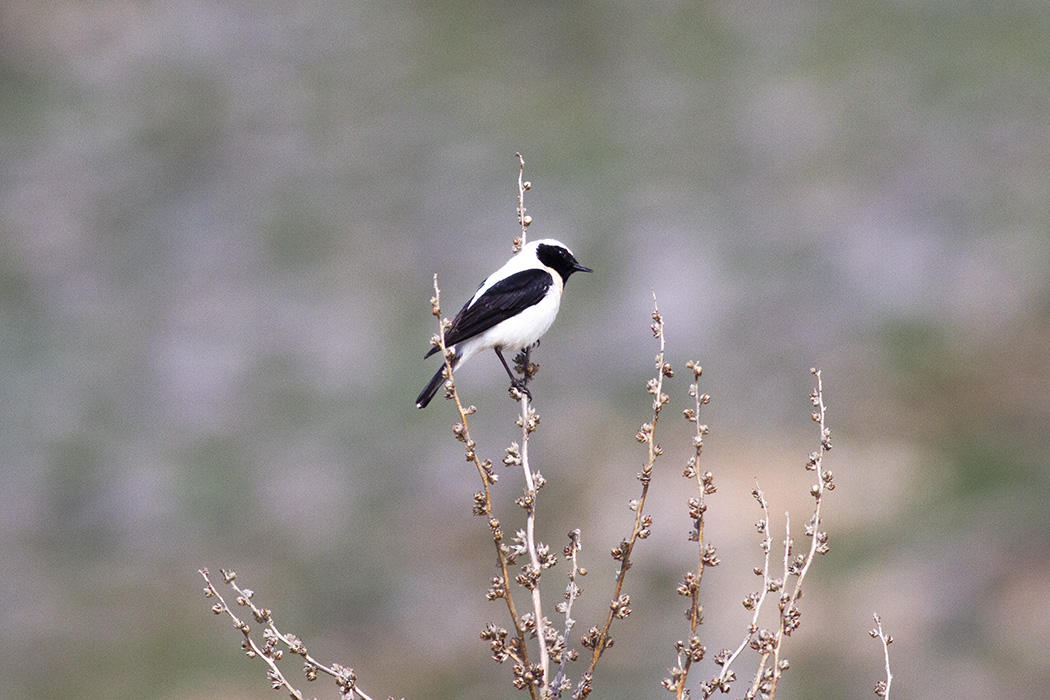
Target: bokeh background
<point>219,223</point>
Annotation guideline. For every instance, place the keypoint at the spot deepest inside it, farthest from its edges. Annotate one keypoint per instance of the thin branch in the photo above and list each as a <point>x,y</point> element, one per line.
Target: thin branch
<point>789,612</point>
<point>523,219</point>
<point>598,640</point>
<point>753,602</point>
<point>529,421</point>
<point>344,677</point>
<point>882,688</point>
<point>692,650</point>
<point>572,592</point>
<point>530,578</point>
<point>770,644</point>
<point>516,649</point>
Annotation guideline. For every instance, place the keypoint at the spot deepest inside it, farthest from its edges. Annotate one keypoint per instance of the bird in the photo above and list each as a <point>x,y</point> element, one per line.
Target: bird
<point>510,310</point>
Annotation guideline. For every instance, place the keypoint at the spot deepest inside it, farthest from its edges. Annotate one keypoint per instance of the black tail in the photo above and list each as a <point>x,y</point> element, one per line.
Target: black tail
<point>436,382</point>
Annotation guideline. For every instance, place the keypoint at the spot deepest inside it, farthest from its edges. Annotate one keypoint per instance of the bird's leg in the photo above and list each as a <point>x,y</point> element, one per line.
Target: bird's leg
<point>505,365</point>
<point>515,381</point>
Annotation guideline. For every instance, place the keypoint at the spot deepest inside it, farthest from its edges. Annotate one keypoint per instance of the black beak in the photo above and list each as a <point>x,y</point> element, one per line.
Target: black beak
<point>577,267</point>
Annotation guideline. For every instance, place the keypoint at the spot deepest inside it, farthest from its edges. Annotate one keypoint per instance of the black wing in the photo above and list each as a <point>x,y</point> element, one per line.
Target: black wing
<point>502,300</point>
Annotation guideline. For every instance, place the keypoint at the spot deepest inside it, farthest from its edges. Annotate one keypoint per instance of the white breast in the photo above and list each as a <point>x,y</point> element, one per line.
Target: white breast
<point>520,331</point>
<point>525,328</point>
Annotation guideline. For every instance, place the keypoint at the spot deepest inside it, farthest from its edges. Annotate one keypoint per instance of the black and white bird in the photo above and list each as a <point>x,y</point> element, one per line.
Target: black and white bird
<point>511,309</point>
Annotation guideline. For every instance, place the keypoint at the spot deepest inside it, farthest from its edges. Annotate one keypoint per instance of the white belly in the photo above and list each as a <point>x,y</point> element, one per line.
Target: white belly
<point>517,332</point>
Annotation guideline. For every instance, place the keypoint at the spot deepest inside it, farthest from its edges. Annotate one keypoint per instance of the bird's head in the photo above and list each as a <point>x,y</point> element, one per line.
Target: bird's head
<point>555,255</point>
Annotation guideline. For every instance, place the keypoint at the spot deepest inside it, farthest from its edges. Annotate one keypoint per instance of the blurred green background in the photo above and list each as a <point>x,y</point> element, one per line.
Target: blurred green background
<point>219,223</point>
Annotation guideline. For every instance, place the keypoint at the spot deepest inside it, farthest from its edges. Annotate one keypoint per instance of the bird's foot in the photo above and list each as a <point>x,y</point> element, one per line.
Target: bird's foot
<point>519,387</point>
<point>523,365</point>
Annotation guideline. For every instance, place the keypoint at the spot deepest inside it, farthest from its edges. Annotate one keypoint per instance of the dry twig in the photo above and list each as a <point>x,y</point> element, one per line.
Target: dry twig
<point>882,688</point>
<point>598,639</point>
<point>692,650</point>
<point>526,673</point>
<point>769,643</point>
<point>270,651</point>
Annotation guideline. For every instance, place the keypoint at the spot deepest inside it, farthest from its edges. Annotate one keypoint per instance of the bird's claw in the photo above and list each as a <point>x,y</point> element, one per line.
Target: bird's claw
<point>520,386</point>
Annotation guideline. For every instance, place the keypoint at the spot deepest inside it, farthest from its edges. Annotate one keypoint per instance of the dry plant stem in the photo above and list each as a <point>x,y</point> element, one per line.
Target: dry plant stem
<point>528,424</point>
<point>778,670</point>
<point>572,591</point>
<point>344,677</point>
<point>882,688</point>
<point>767,643</point>
<point>523,220</point>
<point>483,500</point>
<point>691,650</point>
<point>618,607</point>
<point>754,603</point>
<point>817,538</point>
<point>767,679</point>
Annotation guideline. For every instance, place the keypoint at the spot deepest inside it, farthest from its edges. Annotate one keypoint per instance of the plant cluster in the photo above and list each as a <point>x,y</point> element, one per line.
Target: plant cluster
<point>540,651</point>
